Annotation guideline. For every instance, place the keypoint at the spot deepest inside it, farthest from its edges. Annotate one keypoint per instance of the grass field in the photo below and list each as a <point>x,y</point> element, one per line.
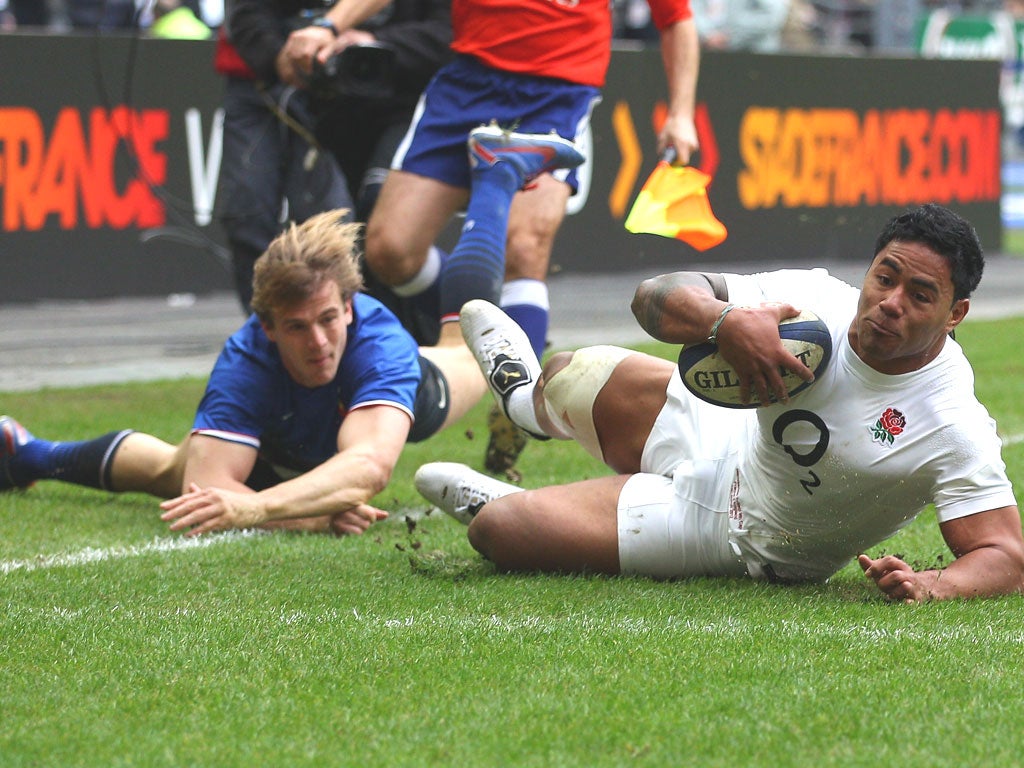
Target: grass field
<point>122,645</point>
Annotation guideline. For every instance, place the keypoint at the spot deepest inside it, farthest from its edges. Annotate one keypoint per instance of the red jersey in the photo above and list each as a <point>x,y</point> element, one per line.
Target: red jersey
<point>568,39</point>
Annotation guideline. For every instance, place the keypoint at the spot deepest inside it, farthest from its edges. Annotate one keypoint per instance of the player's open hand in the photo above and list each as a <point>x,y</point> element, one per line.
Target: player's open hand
<point>203,510</point>
<point>749,341</point>
<point>896,580</point>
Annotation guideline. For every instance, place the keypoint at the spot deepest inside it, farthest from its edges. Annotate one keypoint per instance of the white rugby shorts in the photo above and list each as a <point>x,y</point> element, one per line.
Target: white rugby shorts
<point>673,517</point>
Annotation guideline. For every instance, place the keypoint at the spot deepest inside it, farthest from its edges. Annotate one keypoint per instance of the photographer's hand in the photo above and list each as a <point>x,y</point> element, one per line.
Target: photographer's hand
<point>343,41</point>
<point>295,60</point>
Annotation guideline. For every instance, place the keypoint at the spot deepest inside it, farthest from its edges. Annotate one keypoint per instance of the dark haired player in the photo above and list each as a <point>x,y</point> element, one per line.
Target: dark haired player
<point>787,492</point>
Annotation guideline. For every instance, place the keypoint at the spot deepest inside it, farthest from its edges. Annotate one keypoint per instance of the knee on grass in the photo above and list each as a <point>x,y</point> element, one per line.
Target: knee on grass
<point>497,532</point>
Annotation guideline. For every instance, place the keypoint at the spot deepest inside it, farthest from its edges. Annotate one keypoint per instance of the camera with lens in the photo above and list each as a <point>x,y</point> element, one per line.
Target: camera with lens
<point>364,71</point>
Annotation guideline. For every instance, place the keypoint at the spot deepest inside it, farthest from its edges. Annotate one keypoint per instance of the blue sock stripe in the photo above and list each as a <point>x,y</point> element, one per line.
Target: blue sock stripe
<point>107,465</point>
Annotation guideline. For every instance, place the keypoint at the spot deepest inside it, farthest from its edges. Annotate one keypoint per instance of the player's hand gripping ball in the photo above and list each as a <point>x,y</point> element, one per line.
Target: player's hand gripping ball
<point>708,376</point>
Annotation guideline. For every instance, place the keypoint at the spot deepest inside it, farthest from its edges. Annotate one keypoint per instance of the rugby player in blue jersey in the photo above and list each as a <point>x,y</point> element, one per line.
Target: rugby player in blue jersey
<point>305,414</point>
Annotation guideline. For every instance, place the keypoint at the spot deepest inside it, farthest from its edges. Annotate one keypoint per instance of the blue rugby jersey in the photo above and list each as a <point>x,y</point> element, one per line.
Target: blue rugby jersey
<point>251,399</point>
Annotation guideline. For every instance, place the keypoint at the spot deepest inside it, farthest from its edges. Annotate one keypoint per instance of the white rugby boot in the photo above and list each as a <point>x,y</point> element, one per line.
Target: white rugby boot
<point>458,490</point>
<point>507,360</point>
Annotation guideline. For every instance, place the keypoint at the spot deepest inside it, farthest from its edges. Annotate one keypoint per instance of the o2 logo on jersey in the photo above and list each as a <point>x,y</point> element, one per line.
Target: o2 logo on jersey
<point>805,457</point>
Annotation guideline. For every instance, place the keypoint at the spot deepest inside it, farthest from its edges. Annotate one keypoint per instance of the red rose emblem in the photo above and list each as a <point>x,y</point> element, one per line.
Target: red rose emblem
<point>893,421</point>
<point>891,424</point>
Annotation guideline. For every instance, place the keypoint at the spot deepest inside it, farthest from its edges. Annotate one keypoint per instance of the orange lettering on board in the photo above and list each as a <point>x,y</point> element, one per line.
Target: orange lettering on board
<point>865,187</point>
<point>44,178</point>
<point>910,128</point>
<point>987,144</point>
<point>21,137</point>
<point>832,157</point>
<point>796,156</point>
<point>947,155</point>
<point>151,127</point>
<point>128,138</point>
<point>754,184</point>
<point>847,186</point>
<point>62,172</point>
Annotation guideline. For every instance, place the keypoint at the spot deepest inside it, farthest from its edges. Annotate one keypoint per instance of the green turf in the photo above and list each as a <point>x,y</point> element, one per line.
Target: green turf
<point>402,647</point>
<point>1013,241</point>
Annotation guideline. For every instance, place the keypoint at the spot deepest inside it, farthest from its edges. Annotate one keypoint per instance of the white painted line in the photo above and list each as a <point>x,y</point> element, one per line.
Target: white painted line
<point>94,555</point>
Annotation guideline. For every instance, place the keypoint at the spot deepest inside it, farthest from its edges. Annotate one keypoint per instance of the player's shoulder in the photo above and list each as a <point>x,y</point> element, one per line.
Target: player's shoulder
<point>377,334</point>
<point>248,361</point>
<point>368,312</point>
<point>950,376</point>
<point>794,286</point>
<point>250,340</point>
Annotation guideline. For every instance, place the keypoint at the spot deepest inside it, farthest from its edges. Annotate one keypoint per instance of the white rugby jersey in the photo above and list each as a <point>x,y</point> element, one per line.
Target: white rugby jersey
<point>855,457</point>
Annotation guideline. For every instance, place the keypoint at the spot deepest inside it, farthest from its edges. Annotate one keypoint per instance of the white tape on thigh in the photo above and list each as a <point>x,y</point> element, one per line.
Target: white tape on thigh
<point>569,395</point>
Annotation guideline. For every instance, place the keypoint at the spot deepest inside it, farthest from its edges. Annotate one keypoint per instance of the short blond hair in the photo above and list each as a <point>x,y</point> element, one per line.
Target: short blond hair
<point>302,258</point>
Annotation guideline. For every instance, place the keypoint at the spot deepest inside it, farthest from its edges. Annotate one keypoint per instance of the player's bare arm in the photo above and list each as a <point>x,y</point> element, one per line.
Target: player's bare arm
<point>295,60</point>
<point>689,307</point>
<point>661,304</point>
<point>989,552</point>
<point>211,461</point>
<point>344,16</point>
<point>369,444</point>
<point>749,340</point>
<point>214,483</point>
<point>680,53</point>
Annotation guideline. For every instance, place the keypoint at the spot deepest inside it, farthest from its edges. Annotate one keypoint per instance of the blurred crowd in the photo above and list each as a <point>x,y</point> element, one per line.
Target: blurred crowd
<point>744,25</point>
<point>795,26</point>
<point>168,18</point>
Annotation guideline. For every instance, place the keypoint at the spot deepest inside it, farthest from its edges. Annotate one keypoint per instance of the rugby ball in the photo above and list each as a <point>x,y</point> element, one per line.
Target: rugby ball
<point>708,376</point>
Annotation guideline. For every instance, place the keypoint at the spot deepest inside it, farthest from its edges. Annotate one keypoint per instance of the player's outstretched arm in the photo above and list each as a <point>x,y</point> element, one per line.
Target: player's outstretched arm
<point>369,444</point>
<point>989,552</point>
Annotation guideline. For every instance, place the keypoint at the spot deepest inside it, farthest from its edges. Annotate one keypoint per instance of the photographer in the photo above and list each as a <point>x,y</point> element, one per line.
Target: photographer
<point>357,106</point>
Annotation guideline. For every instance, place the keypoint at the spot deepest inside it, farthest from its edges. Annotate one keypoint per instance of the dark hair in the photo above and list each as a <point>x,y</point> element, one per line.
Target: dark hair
<point>948,234</point>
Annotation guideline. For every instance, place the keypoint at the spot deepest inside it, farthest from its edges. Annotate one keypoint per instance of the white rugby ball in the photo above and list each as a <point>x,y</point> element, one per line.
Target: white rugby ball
<point>708,376</point>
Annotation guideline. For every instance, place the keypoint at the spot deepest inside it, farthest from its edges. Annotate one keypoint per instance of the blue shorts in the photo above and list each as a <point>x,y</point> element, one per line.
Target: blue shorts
<point>466,94</point>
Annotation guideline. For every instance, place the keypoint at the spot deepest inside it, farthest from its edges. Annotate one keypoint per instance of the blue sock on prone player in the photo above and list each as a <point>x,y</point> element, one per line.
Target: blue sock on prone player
<point>85,462</point>
<point>526,302</point>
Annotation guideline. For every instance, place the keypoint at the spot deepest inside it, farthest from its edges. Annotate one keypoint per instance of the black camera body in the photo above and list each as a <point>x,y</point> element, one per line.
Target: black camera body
<point>364,71</point>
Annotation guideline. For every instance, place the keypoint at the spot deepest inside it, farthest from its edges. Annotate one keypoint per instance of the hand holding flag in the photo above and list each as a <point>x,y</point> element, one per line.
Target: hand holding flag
<point>673,202</point>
